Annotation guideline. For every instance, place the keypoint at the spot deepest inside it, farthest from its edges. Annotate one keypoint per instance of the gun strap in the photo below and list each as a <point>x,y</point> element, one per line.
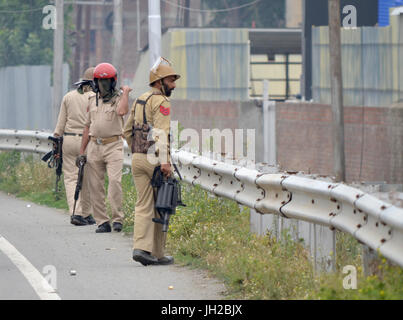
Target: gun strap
<point>176,169</point>
<point>175,166</point>
<point>142,102</point>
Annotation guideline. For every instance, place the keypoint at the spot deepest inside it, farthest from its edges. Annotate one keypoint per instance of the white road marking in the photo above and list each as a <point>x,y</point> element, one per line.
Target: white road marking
<point>41,286</point>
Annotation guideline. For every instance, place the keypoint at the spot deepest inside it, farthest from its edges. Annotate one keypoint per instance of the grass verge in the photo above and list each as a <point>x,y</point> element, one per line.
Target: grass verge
<point>213,234</point>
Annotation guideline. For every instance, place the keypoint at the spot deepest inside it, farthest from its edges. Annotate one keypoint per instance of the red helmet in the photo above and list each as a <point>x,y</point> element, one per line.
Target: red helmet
<point>105,71</point>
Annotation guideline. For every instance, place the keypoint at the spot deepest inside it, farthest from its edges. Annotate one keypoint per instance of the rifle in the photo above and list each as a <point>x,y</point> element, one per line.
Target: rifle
<point>168,196</point>
<point>79,184</point>
<point>54,158</point>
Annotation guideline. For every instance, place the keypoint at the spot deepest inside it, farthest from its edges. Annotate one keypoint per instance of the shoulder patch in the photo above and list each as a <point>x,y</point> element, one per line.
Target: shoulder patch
<point>165,110</point>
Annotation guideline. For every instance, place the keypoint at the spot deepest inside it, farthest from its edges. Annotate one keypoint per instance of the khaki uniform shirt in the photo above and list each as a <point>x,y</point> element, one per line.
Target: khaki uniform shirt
<point>158,114</point>
<point>73,113</point>
<point>103,120</point>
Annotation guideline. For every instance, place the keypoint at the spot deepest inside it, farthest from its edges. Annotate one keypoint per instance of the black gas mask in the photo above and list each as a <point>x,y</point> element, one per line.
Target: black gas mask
<point>105,88</point>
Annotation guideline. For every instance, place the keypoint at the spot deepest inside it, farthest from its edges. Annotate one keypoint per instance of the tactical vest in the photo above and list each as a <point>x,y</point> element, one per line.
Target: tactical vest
<point>141,133</point>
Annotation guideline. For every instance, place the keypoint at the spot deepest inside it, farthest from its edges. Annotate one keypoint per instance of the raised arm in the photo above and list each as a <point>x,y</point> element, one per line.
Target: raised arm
<point>123,106</point>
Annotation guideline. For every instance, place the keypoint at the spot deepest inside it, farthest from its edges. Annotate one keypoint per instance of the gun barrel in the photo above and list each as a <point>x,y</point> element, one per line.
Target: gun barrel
<point>165,223</point>
<point>47,156</point>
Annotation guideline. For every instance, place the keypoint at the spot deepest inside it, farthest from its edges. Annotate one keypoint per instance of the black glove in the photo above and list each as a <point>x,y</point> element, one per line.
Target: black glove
<point>81,159</point>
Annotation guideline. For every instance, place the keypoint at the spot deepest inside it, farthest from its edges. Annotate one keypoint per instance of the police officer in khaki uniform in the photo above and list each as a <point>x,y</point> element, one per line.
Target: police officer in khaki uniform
<point>70,125</point>
<point>153,108</point>
<point>103,135</point>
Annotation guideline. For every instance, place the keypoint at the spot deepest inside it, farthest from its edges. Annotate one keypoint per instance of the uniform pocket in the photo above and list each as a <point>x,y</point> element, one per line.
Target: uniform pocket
<point>93,115</point>
<point>109,111</point>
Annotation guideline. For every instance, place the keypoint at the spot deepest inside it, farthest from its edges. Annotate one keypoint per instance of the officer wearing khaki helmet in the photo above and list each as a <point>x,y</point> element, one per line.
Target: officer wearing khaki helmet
<point>70,125</point>
<point>151,111</point>
<point>103,135</point>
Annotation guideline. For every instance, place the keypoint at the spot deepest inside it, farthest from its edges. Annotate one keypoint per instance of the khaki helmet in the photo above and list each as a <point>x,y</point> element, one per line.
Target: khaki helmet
<point>162,69</point>
<point>88,74</point>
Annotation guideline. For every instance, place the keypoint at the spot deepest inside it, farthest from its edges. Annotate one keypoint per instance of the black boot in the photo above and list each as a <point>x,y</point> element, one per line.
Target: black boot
<point>78,220</point>
<point>105,227</point>
<point>166,260</point>
<point>90,220</point>
<point>117,226</point>
<point>144,257</point>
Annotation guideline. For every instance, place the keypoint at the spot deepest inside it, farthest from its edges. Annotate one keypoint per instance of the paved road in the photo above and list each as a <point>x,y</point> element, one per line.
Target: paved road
<point>38,242</point>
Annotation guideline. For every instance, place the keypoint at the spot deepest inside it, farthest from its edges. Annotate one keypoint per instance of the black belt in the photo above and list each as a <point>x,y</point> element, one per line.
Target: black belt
<point>73,134</point>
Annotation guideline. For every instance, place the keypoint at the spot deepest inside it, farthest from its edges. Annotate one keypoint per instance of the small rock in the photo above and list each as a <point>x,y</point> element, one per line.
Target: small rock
<point>28,206</point>
<point>171,287</point>
<point>73,272</point>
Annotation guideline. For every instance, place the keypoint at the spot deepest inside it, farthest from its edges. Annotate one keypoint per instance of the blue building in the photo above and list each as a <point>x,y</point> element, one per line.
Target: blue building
<point>383,12</point>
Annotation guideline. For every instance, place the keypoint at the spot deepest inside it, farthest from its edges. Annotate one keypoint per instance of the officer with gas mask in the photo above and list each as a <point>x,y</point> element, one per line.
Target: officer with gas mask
<point>103,135</point>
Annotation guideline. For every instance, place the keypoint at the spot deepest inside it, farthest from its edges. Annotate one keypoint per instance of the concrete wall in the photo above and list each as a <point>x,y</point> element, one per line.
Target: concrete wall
<point>373,135</point>
<point>233,115</point>
<point>373,141</point>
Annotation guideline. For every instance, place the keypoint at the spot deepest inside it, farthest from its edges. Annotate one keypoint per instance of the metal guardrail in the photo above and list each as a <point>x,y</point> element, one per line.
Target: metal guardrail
<point>37,142</point>
<point>375,223</point>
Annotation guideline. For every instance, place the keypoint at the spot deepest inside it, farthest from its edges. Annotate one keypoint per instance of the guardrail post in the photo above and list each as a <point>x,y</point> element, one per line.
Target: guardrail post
<point>370,261</point>
<point>269,126</point>
<point>333,265</point>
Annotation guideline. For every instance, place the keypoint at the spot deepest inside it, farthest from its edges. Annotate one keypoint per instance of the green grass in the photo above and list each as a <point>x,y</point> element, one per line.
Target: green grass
<point>30,180</point>
<point>213,234</point>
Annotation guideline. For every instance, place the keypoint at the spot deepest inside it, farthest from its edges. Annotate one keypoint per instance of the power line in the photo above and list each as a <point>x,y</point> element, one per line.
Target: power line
<point>211,10</point>
<point>20,11</point>
<point>166,1</point>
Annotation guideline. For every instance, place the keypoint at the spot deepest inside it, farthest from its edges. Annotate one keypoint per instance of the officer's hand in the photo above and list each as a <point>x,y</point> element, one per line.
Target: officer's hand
<point>57,155</point>
<point>166,169</point>
<point>126,89</point>
<point>81,159</point>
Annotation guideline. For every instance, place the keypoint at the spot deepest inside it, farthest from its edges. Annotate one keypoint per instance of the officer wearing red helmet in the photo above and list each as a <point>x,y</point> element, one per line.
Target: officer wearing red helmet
<point>103,135</point>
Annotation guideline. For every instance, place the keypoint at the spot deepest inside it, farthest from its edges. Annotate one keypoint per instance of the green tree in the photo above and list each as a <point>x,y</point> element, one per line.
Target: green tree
<point>263,14</point>
<point>23,40</point>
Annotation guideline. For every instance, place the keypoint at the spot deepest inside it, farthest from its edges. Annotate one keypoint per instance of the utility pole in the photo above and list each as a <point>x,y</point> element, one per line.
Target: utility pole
<point>154,30</point>
<point>58,61</point>
<point>77,52</point>
<point>336,90</point>
<point>138,26</point>
<point>187,14</point>
<point>99,42</point>
<point>117,37</point>
<point>87,37</point>
<point>304,52</point>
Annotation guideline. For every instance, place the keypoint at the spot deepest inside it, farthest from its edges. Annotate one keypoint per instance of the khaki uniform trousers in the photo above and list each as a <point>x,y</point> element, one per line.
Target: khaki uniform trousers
<point>148,235</point>
<point>71,150</point>
<point>101,159</point>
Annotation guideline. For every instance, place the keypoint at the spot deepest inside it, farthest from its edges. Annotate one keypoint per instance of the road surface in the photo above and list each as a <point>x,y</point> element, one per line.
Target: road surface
<point>43,256</point>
